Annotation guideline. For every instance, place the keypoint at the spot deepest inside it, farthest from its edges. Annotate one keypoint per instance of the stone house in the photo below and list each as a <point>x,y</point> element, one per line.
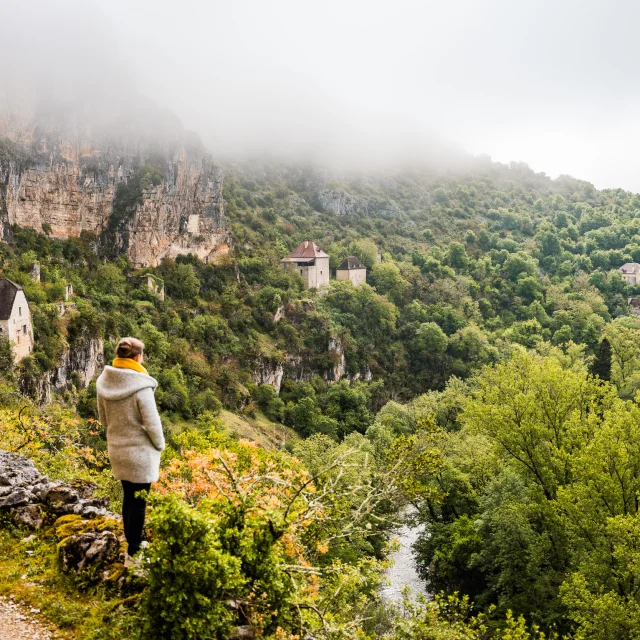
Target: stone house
<point>15,318</point>
<point>310,262</point>
<point>352,269</point>
<point>630,272</point>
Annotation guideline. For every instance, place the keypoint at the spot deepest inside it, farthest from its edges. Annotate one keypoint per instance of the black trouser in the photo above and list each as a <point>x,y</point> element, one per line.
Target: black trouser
<point>133,512</point>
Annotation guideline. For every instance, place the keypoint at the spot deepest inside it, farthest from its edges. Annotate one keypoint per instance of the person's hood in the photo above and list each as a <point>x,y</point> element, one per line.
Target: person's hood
<point>118,384</point>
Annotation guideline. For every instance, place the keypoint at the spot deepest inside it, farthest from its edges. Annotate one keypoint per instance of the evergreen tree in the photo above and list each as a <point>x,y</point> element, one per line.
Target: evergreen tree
<point>601,366</point>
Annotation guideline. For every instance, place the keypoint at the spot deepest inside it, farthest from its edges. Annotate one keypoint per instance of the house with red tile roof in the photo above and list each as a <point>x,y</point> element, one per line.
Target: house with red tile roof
<point>310,262</point>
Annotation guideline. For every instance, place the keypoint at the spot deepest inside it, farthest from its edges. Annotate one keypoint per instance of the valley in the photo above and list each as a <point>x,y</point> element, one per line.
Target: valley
<point>455,340</point>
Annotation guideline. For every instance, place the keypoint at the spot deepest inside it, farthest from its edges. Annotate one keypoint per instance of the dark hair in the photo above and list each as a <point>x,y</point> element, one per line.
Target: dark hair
<point>129,348</point>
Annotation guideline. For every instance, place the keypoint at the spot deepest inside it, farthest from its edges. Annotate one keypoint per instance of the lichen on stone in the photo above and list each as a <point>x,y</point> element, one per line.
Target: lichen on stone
<point>71,525</point>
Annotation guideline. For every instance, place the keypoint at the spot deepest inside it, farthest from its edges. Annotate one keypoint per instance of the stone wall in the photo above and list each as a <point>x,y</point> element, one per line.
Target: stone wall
<point>18,327</point>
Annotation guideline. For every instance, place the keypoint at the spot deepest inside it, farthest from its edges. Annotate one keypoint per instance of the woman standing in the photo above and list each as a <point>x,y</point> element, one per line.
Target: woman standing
<point>127,410</point>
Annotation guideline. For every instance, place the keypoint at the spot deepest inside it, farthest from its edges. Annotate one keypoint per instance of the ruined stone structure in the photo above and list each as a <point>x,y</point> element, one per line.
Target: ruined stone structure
<point>311,263</point>
<point>15,318</point>
<point>156,286</point>
<point>35,272</point>
<point>63,180</point>
<point>352,269</point>
<point>630,272</point>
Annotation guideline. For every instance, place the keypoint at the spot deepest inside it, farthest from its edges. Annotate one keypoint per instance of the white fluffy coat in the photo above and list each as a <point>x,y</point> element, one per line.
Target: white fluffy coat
<point>127,409</point>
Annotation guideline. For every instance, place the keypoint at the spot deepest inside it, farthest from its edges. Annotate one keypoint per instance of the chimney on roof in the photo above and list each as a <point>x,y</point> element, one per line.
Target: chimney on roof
<point>306,244</point>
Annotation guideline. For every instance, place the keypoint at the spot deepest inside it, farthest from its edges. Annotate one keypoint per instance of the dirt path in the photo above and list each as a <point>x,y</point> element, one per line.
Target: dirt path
<point>20,623</point>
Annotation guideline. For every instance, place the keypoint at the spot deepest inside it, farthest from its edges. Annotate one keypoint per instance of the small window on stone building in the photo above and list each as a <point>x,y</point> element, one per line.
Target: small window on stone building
<point>19,311</point>
<point>24,329</point>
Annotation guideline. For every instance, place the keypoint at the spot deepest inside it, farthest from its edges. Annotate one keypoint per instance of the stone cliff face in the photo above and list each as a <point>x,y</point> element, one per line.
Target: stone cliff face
<point>85,358</point>
<point>268,372</point>
<point>63,182</point>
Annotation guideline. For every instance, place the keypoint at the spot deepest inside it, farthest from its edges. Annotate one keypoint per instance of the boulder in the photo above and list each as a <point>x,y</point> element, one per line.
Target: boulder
<point>88,508</point>
<point>88,551</point>
<point>60,494</point>
<point>30,515</point>
<point>17,497</point>
<point>17,470</point>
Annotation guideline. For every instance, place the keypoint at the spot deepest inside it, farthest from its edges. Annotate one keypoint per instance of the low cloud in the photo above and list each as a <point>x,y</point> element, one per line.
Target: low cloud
<point>350,82</point>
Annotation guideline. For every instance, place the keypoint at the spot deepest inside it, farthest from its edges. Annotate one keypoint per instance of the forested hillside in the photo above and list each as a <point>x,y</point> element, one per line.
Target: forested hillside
<point>471,265</point>
<point>524,472</point>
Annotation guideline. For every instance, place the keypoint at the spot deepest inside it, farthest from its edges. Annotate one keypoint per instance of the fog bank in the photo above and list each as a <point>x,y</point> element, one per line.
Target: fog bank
<point>351,82</point>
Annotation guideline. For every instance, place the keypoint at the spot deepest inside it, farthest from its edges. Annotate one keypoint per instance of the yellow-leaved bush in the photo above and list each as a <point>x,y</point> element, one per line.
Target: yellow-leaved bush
<point>234,534</point>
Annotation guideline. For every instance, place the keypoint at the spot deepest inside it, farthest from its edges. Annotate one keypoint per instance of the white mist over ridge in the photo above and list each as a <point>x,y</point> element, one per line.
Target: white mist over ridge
<point>351,83</point>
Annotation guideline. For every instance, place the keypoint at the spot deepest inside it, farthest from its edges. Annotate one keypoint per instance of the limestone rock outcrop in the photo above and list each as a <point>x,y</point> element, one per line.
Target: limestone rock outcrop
<point>89,551</point>
<point>339,202</point>
<point>90,536</point>
<point>30,498</point>
<point>64,180</point>
<point>85,358</point>
<point>269,372</point>
<point>339,369</point>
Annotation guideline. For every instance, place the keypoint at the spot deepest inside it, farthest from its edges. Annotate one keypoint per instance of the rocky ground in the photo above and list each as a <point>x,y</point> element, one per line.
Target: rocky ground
<point>21,623</point>
<point>89,536</point>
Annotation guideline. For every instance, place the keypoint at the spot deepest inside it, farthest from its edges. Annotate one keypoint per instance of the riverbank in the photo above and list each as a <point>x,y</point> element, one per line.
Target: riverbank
<point>402,573</point>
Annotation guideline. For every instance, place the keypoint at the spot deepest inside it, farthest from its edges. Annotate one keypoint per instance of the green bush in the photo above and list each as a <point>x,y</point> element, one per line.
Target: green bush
<point>267,399</point>
<point>206,401</point>
<point>191,577</point>
<point>6,357</point>
<point>87,402</point>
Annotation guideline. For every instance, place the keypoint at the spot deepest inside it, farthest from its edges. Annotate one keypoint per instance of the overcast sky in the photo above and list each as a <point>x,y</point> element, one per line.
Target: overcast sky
<point>553,83</point>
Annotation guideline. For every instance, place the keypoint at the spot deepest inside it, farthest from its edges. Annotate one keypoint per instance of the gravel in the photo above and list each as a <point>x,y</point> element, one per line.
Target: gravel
<point>21,623</point>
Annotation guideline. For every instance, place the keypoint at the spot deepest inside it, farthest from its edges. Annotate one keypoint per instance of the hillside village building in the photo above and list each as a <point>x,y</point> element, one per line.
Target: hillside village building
<point>15,318</point>
<point>352,269</point>
<point>310,262</point>
<point>630,272</point>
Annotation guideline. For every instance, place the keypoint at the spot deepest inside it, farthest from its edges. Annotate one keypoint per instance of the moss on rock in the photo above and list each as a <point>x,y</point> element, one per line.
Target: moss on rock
<point>71,525</point>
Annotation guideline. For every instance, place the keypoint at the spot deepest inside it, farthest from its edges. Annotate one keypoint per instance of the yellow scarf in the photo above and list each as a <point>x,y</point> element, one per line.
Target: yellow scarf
<point>129,363</point>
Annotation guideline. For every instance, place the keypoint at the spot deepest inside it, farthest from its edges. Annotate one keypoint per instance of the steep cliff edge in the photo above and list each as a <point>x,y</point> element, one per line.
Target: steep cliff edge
<point>65,180</point>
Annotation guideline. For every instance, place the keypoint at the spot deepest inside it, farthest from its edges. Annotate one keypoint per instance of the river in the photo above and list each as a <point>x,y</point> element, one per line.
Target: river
<point>403,572</point>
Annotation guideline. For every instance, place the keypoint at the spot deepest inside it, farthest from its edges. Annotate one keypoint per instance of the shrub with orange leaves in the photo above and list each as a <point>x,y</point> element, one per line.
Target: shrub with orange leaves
<point>253,501</point>
<point>260,517</point>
